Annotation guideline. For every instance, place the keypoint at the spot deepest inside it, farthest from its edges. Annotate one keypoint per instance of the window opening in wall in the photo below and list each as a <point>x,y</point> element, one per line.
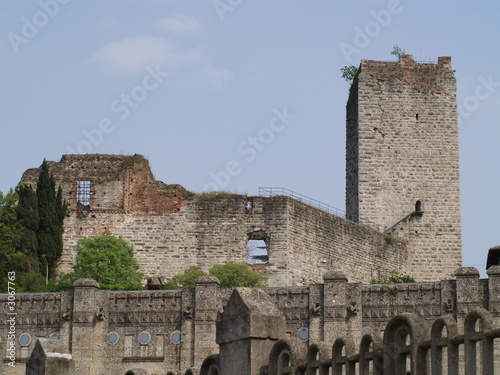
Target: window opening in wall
<point>83,196</point>
<point>418,206</point>
<point>257,248</point>
<point>257,252</point>
<point>416,116</point>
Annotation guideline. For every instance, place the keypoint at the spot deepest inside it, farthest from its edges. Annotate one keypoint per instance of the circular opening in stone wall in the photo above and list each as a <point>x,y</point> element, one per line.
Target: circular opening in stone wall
<point>25,339</point>
<point>176,337</point>
<point>113,337</point>
<point>303,334</point>
<point>144,338</point>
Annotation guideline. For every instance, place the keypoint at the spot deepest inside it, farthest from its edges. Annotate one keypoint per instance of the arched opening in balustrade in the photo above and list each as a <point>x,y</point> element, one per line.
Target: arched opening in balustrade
<point>136,371</point>
<point>210,365</point>
<point>370,354</point>
<point>191,371</point>
<point>478,347</point>
<point>280,359</point>
<point>444,355</point>
<point>313,363</point>
<point>341,350</point>
<point>401,338</point>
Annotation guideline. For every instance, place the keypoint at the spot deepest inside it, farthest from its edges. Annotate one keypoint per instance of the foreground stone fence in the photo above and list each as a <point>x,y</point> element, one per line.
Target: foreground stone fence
<point>408,346</point>
<point>176,332</point>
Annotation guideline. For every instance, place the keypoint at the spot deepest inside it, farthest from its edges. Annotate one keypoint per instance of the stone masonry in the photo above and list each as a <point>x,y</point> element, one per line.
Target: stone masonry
<point>172,229</point>
<point>403,213</point>
<point>402,169</point>
<point>98,332</point>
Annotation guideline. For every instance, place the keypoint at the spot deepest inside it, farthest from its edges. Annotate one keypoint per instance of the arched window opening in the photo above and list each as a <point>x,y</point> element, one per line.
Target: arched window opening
<point>257,248</point>
<point>418,206</point>
<point>284,363</point>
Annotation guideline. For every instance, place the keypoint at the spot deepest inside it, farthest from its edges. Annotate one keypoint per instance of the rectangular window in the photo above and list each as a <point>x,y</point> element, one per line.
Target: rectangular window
<point>83,193</point>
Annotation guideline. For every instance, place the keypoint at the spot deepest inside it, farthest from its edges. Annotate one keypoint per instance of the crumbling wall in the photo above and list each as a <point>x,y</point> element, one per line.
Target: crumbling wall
<point>171,229</point>
<point>118,183</point>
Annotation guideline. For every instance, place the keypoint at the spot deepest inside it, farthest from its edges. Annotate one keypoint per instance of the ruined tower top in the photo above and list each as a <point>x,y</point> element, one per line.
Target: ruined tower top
<point>111,183</point>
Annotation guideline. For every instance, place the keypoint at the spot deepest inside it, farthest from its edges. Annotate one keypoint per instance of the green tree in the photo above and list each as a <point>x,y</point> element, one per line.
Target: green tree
<point>229,275</point>
<point>185,280</point>
<point>27,217</point>
<point>349,72</point>
<point>237,274</point>
<point>51,211</point>
<point>397,51</point>
<point>108,260</point>
<point>394,277</point>
<point>17,246</point>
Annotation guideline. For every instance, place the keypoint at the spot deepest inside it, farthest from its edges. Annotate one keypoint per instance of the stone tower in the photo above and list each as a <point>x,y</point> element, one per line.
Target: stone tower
<point>402,167</point>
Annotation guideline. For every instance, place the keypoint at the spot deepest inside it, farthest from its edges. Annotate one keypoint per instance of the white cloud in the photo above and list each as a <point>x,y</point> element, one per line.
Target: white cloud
<point>141,51</point>
<point>217,75</point>
<point>180,24</point>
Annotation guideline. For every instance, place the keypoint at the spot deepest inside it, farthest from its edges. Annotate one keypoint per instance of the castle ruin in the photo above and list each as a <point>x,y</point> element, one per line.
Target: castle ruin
<point>318,314</point>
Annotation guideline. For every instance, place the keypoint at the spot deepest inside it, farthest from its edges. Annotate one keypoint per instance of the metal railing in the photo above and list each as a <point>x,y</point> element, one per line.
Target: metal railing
<point>276,191</point>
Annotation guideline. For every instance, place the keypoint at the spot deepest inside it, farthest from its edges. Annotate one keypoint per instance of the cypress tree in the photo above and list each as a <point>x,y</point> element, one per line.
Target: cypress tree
<point>27,217</point>
<point>51,210</point>
<point>18,241</point>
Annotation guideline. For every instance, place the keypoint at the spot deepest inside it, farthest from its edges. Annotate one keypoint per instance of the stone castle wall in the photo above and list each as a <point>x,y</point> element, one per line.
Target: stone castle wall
<point>402,147</point>
<point>172,229</point>
<point>178,327</point>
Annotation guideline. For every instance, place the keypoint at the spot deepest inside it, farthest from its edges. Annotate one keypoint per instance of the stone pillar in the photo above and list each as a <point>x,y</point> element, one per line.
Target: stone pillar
<point>494,289</point>
<point>248,328</point>
<point>50,357</point>
<point>468,291</point>
<point>334,305</point>
<point>206,307</point>
<point>85,336</point>
<point>494,307</point>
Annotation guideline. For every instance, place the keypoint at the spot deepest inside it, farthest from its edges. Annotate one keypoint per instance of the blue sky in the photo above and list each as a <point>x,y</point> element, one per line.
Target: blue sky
<point>237,94</point>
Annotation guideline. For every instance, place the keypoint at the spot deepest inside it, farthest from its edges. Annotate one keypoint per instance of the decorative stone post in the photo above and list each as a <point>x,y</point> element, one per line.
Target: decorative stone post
<point>85,335</point>
<point>335,305</point>
<point>249,326</point>
<point>468,291</point>
<point>206,307</point>
<point>494,289</point>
